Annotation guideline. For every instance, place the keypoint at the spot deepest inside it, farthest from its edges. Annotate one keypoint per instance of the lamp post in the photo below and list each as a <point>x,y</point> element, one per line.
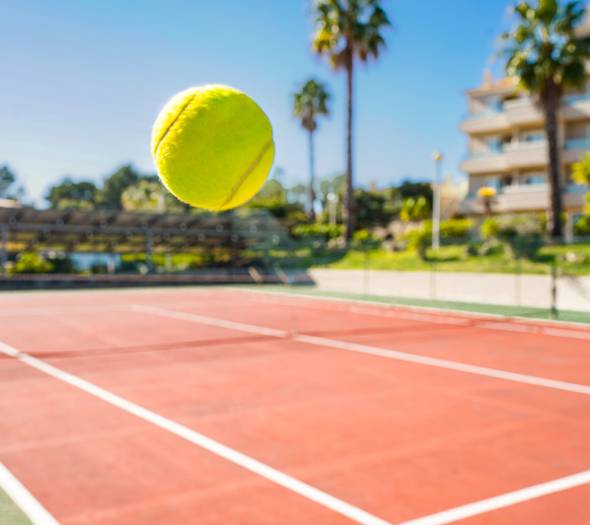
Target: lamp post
<point>332,199</point>
<point>437,157</point>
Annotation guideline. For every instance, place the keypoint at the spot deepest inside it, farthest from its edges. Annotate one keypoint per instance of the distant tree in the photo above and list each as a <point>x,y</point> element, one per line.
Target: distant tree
<point>272,191</point>
<point>69,194</point>
<point>347,31</point>
<point>149,195</point>
<point>298,193</point>
<point>310,102</point>
<point>374,208</point>
<point>109,196</point>
<point>409,189</point>
<point>9,186</point>
<point>546,56</point>
<point>335,185</point>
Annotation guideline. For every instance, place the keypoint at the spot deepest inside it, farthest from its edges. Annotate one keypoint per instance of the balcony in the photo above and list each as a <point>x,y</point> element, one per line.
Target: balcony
<point>576,107</point>
<point>512,156</point>
<point>486,122</point>
<point>575,148</point>
<point>525,198</point>
<point>523,111</point>
<point>526,154</point>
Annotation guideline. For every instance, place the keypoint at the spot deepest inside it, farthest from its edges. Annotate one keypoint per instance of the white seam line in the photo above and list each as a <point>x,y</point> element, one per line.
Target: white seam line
<point>372,350</point>
<point>23,499</point>
<point>535,325</point>
<point>504,500</point>
<point>238,458</point>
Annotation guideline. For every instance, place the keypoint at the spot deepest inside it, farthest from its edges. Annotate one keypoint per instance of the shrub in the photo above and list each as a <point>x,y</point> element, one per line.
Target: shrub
<point>522,233</point>
<point>510,226</point>
<point>420,239</point>
<point>450,230</point>
<point>459,229</point>
<point>365,240</point>
<point>31,262</point>
<point>491,247</point>
<point>489,228</point>
<point>582,226</point>
<point>61,263</point>
<point>317,231</point>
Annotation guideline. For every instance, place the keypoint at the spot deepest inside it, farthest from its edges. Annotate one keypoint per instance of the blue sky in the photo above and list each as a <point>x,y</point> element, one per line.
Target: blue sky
<point>82,81</point>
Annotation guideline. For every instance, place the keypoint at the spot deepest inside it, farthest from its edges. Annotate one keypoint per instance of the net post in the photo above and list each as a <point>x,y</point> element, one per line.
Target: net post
<point>553,313</point>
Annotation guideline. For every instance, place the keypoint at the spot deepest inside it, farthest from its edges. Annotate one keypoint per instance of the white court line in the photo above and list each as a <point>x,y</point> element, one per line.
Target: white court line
<point>221,323</point>
<point>24,499</point>
<point>554,328</point>
<point>372,350</point>
<point>238,458</point>
<point>504,500</point>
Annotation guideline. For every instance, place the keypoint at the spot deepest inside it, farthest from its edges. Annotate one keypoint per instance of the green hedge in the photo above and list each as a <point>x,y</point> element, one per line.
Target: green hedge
<point>318,231</point>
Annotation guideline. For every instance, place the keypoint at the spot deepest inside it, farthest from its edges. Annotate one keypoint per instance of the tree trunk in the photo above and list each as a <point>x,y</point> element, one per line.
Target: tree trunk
<point>349,207</point>
<point>311,177</point>
<point>550,102</point>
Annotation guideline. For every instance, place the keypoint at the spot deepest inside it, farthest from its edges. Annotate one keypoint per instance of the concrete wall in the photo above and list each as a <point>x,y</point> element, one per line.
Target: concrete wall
<point>573,293</point>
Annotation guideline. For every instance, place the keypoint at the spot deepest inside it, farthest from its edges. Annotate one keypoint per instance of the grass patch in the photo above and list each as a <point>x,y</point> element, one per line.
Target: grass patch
<point>572,259</point>
<point>10,513</point>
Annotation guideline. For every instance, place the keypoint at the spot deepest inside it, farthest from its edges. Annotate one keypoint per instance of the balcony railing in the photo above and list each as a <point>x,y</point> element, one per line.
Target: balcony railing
<point>572,99</point>
<point>509,147</point>
<point>488,112</point>
<point>579,143</point>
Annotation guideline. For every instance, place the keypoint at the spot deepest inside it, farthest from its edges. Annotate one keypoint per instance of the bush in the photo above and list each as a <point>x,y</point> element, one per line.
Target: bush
<point>522,233</point>
<point>292,212</point>
<point>365,240</point>
<point>31,262</point>
<point>420,239</point>
<point>459,229</point>
<point>511,226</point>
<point>582,226</point>
<point>317,231</point>
<point>450,230</point>
<point>61,263</point>
<point>491,247</point>
<point>489,228</point>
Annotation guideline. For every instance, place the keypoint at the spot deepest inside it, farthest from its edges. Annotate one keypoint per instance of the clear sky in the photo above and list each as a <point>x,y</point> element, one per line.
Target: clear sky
<point>82,81</point>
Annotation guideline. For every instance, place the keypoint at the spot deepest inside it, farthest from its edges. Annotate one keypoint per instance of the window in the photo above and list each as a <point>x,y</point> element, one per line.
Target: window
<point>494,144</point>
<point>533,179</point>
<point>532,136</point>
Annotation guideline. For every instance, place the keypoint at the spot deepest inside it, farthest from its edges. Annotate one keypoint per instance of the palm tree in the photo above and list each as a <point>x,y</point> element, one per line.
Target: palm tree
<point>310,102</point>
<point>546,57</point>
<point>346,31</point>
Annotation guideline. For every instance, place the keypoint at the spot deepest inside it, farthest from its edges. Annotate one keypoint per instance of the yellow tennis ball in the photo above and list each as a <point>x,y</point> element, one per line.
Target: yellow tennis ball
<point>213,147</point>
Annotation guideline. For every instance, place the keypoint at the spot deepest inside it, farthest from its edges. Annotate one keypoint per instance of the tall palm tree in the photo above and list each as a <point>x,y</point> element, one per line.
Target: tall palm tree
<point>310,102</point>
<point>546,56</point>
<point>347,31</point>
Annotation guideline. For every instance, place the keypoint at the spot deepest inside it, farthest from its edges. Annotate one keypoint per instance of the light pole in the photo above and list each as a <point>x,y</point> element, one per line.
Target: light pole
<point>437,157</point>
<point>332,199</point>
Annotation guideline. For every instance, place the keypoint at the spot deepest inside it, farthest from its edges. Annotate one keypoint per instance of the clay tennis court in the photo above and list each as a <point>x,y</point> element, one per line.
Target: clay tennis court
<point>226,406</point>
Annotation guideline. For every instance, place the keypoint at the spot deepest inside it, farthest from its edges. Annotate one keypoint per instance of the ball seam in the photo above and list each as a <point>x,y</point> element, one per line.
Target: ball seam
<point>246,174</point>
<point>187,104</point>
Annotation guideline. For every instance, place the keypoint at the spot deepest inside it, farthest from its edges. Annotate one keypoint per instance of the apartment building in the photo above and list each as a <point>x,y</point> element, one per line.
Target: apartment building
<point>507,148</point>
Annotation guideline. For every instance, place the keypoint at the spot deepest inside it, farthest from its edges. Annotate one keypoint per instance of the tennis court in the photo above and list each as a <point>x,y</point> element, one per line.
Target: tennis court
<point>220,405</point>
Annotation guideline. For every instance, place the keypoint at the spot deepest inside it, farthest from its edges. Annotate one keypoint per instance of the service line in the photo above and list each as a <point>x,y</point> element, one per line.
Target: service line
<point>376,351</point>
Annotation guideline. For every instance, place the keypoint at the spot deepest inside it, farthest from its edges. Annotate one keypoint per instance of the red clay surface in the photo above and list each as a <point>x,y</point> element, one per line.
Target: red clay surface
<point>396,439</point>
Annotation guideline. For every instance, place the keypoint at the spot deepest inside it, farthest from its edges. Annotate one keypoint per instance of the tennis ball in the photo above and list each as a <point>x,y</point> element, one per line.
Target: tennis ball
<point>213,147</point>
